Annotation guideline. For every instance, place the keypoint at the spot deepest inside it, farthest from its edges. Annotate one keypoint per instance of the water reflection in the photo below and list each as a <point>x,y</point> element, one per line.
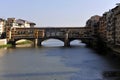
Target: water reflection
<point>52,43</point>
<point>58,43</point>
<point>2,52</point>
<point>37,74</point>
<point>77,43</point>
<point>54,63</point>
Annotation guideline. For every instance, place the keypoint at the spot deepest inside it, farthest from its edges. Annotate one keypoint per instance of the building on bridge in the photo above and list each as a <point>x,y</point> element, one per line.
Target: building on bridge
<point>12,22</point>
<point>37,35</point>
<point>24,23</point>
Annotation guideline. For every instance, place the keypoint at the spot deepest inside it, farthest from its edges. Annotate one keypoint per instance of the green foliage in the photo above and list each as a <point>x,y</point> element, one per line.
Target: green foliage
<point>7,45</point>
<point>25,42</point>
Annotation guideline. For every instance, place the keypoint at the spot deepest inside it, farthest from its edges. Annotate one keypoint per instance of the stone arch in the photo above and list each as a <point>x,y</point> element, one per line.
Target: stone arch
<point>81,39</point>
<point>73,39</point>
<point>22,40</point>
<point>13,42</point>
<point>81,43</point>
<point>42,40</point>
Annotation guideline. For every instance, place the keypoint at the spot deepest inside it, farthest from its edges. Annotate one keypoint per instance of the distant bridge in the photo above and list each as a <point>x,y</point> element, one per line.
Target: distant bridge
<point>37,35</point>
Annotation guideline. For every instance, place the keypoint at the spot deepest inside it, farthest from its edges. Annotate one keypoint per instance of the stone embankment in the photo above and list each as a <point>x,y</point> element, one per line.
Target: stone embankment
<point>3,42</point>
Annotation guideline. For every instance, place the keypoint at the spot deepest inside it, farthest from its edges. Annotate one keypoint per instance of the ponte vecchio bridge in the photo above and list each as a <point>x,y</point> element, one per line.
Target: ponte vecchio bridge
<point>37,35</point>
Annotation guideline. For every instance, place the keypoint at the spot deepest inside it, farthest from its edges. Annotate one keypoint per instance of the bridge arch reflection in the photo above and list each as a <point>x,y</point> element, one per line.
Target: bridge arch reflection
<point>51,42</point>
<point>77,42</point>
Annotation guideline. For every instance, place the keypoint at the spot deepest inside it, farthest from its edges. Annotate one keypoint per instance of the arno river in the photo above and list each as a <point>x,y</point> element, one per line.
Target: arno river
<point>52,61</point>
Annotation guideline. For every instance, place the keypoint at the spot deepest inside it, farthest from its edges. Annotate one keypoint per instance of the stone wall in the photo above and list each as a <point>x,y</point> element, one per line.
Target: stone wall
<point>3,41</point>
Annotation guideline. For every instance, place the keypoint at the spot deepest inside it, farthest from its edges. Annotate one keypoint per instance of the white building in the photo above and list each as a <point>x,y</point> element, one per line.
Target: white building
<point>20,23</point>
<point>24,23</point>
<point>2,25</point>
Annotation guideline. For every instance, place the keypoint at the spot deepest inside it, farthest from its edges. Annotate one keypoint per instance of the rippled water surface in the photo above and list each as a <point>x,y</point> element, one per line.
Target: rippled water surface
<point>52,61</point>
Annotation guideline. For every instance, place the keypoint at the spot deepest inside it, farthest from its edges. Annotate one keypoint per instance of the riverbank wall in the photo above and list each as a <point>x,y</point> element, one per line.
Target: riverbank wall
<point>3,42</point>
<point>103,47</point>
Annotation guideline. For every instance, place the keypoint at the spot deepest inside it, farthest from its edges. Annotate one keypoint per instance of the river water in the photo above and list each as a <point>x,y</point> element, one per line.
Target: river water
<point>52,61</point>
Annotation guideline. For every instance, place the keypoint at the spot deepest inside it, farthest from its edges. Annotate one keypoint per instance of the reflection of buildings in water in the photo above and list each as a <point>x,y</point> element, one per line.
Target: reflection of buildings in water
<point>2,52</point>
